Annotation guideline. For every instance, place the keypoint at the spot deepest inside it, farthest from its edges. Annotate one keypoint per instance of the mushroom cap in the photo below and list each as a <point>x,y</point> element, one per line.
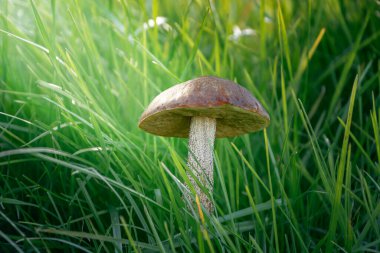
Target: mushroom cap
<point>236,111</point>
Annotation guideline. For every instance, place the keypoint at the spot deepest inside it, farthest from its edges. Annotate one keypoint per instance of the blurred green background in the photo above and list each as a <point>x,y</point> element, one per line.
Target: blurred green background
<point>77,174</point>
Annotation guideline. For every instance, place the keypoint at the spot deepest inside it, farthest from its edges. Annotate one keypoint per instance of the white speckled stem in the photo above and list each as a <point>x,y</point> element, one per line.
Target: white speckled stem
<point>201,146</point>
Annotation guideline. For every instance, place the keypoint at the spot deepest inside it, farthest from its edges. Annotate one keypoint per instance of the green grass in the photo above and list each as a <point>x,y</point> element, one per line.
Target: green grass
<point>77,174</point>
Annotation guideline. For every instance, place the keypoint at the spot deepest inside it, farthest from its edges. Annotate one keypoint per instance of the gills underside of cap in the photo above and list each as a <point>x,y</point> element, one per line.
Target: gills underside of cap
<point>236,111</point>
<point>176,122</point>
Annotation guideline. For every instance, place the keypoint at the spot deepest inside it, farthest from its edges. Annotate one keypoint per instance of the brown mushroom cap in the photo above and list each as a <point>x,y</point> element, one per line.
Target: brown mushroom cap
<point>236,111</point>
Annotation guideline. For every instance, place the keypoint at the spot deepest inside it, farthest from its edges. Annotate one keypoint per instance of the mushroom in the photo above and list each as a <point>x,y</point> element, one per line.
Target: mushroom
<point>202,109</point>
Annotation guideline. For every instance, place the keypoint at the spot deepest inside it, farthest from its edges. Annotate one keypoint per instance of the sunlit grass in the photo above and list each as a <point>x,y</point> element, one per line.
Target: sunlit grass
<point>76,173</point>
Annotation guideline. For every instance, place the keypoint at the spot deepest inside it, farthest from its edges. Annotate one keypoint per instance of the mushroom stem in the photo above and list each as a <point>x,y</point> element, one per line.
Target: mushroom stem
<point>201,146</point>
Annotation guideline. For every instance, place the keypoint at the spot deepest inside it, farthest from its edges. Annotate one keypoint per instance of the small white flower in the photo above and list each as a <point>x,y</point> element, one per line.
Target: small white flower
<point>151,23</point>
<point>267,20</point>
<point>237,33</point>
